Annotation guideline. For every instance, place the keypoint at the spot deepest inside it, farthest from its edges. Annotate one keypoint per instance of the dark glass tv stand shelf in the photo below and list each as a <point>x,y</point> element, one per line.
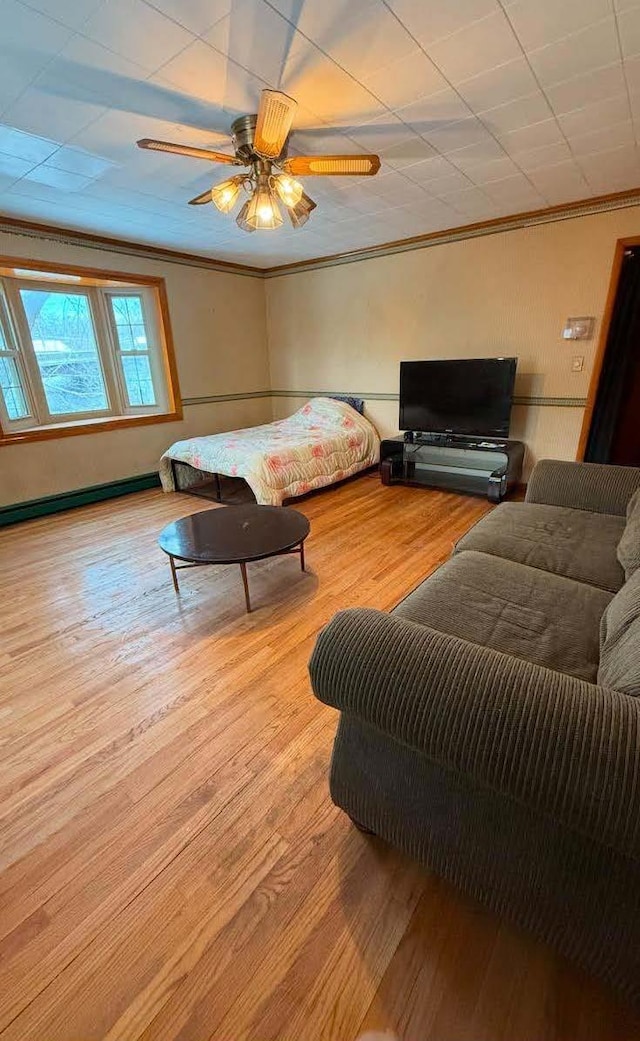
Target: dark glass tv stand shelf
<point>471,465</point>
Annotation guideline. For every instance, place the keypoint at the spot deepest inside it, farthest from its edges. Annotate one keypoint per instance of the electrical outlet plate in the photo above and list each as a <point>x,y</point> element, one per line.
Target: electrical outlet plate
<point>578,328</point>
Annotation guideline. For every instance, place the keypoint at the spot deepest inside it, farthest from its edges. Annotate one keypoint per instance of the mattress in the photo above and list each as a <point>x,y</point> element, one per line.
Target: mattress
<point>323,442</point>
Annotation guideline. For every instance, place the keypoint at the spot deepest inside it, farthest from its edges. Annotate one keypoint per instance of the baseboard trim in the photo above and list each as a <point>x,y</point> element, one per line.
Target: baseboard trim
<point>22,511</point>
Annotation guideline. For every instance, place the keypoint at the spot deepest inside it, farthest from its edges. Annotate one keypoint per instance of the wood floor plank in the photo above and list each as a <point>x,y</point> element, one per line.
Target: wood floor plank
<point>172,866</point>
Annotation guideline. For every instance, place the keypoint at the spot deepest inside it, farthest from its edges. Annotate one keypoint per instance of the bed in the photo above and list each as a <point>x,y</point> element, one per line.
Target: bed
<point>323,442</point>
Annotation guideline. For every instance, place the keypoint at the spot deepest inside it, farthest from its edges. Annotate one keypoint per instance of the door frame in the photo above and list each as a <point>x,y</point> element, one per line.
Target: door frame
<point>603,338</point>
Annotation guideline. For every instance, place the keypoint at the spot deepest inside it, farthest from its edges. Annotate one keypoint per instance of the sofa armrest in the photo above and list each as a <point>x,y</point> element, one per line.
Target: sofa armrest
<point>560,745</point>
<point>596,487</point>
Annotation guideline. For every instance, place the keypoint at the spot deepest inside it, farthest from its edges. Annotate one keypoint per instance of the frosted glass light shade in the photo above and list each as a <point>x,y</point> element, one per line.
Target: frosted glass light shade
<point>263,212</point>
<point>225,194</point>
<point>300,213</point>
<point>241,219</point>
<point>289,190</point>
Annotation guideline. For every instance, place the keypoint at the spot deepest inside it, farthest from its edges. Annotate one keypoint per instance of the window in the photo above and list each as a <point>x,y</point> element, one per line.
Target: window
<point>78,351</point>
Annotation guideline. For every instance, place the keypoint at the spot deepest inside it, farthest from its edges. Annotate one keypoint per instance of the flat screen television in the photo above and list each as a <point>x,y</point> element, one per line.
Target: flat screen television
<point>473,396</point>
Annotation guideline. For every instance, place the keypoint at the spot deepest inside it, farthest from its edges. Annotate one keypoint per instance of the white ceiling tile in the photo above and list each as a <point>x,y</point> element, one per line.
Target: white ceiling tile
<point>62,180</point>
<point>202,72</point>
<point>560,182</point>
<point>257,38</point>
<point>516,114</point>
<point>546,155</point>
<point>629,27</point>
<point>540,22</point>
<point>534,136</point>
<point>24,145</point>
<point>430,20</point>
<point>433,112</point>
<point>625,158</point>
<point>615,136</point>
<point>365,44</point>
<point>499,86</point>
<point>409,152</point>
<point>198,16</point>
<point>452,181</point>
<point>515,190</point>
<point>632,74</point>
<point>381,134</point>
<point>40,112</point>
<point>482,152</point>
<point>12,168</point>
<point>431,169</point>
<point>612,170</point>
<point>28,41</point>
<point>332,94</point>
<point>68,12</point>
<point>477,48</point>
<point>137,32</point>
<point>457,135</point>
<point>471,203</point>
<point>577,54</point>
<point>75,160</point>
<point>607,82</point>
<point>493,170</point>
<point>404,81</point>
<point>595,116</point>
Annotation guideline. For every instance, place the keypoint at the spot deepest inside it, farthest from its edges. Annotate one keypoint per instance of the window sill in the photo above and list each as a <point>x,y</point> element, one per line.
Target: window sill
<point>87,426</point>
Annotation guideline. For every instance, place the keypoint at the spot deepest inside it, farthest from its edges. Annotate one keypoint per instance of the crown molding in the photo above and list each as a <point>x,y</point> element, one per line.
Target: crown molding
<point>515,222</point>
<point>73,237</point>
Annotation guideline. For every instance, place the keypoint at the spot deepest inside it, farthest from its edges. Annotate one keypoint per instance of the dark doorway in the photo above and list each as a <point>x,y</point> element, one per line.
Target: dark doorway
<point>614,435</point>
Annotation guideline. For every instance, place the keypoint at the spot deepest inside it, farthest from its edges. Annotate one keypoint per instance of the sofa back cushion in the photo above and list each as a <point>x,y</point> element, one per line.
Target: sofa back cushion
<point>629,545</point>
<point>620,640</point>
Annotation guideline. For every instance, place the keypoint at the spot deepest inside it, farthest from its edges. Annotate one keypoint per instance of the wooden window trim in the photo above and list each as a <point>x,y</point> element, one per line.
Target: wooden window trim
<point>105,279</point>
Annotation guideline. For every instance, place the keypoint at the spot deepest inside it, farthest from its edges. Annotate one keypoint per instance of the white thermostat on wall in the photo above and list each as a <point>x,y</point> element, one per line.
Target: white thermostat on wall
<point>578,329</point>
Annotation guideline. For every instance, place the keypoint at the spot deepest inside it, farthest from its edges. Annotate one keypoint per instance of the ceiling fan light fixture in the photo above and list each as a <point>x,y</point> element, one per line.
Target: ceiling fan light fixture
<point>225,195</point>
<point>289,190</point>
<point>300,213</point>
<point>241,219</point>
<point>263,212</point>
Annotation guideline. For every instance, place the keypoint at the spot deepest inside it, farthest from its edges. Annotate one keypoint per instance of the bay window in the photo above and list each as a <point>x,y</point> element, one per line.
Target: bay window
<point>79,351</point>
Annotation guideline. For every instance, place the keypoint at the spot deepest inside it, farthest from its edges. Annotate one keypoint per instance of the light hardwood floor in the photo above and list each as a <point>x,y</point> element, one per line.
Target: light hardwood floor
<point>172,865</point>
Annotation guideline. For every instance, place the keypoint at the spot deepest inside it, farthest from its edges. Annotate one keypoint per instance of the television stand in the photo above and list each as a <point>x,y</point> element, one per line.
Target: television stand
<point>488,466</point>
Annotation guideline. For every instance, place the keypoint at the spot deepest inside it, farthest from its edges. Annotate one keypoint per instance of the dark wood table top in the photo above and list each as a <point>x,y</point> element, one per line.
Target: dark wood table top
<point>234,534</point>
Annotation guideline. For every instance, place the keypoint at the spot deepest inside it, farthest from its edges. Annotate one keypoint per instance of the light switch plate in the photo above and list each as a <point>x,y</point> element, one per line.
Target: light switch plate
<point>578,328</point>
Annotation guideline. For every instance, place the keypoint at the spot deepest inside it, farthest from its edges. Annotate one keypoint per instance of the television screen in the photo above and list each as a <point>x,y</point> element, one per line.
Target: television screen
<point>473,396</point>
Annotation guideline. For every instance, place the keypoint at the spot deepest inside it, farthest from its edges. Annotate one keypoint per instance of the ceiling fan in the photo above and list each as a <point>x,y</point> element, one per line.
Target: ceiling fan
<point>260,143</point>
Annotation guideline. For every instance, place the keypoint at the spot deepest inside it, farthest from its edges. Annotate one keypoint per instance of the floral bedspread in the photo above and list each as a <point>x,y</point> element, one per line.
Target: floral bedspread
<point>321,443</point>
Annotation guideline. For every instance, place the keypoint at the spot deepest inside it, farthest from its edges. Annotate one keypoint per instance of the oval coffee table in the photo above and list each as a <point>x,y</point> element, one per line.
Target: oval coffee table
<point>234,535</point>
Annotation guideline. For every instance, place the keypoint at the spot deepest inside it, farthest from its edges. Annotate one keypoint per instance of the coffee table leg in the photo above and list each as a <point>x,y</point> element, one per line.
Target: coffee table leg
<point>243,568</point>
<point>302,556</point>
<point>174,575</point>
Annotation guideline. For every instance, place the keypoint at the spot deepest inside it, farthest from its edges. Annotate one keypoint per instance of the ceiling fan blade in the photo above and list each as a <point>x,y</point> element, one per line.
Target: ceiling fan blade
<point>332,165</point>
<point>275,117</point>
<point>193,153</point>
<point>200,200</point>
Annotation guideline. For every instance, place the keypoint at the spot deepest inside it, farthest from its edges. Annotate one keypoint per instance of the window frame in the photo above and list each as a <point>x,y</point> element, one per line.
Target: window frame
<point>97,285</point>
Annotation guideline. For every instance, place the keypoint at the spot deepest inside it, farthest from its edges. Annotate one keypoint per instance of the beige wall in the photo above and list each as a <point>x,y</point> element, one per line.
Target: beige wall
<point>219,332</point>
<point>346,328</point>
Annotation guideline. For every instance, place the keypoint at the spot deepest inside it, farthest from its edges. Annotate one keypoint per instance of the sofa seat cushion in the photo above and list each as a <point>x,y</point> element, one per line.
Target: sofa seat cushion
<point>573,543</point>
<point>620,640</point>
<point>519,610</point>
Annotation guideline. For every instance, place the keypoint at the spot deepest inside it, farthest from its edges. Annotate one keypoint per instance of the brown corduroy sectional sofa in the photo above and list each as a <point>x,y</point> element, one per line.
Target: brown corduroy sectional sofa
<point>490,725</point>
